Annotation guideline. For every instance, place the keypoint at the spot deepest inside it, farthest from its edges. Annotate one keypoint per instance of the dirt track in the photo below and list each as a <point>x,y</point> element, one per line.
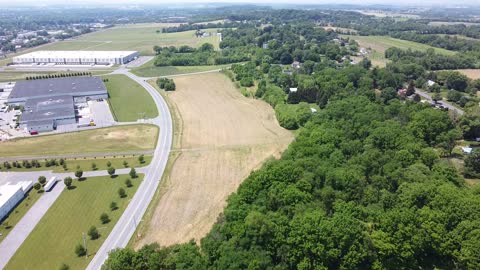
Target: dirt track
<point>223,137</point>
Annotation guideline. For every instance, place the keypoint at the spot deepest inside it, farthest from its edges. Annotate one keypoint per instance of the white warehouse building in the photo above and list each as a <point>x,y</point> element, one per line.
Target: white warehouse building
<point>11,195</point>
<point>77,57</point>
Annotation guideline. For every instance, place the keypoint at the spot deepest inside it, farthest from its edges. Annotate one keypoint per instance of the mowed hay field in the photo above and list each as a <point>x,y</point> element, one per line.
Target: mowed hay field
<point>471,73</point>
<point>103,140</point>
<point>141,37</point>
<point>222,136</point>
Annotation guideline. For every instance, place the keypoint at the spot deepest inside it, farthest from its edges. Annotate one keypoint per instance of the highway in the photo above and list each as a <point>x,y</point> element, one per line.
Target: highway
<point>126,226</point>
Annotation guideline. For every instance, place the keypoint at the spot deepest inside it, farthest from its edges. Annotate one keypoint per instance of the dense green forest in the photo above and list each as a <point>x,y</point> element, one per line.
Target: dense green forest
<point>366,184</point>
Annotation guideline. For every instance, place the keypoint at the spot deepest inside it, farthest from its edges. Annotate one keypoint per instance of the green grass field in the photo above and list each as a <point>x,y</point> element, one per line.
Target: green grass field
<point>53,240</point>
<point>128,100</point>
<point>86,164</point>
<point>18,212</point>
<point>379,44</point>
<point>104,140</point>
<point>150,70</point>
<point>141,38</point>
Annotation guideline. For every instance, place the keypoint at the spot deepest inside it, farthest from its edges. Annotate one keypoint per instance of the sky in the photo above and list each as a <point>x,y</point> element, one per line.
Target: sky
<point>358,2</point>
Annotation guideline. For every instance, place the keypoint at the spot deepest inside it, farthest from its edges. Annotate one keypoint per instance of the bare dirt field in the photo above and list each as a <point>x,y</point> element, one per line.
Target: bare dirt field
<point>471,73</point>
<point>221,137</point>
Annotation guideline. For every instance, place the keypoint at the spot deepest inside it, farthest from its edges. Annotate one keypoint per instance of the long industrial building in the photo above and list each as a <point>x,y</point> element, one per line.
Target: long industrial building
<point>11,195</point>
<point>49,103</point>
<point>76,57</point>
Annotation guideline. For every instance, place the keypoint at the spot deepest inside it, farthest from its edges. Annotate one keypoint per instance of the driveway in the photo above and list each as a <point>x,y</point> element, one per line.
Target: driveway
<point>450,107</point>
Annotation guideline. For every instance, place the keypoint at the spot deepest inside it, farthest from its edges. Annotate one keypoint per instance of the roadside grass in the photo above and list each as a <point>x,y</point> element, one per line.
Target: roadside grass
<point>86,164</point>
<point>150,70</point>
<point>177,123</point>
<point>53,240</point>
<point>128,100</point>
<point>18,212</point>
<point>126,138</point>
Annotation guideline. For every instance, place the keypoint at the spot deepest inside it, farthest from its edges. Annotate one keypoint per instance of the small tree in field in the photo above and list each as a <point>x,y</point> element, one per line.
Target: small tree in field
<point>122,193</point>
<point>104,218</point>
<point>78,174</point>
<point>94,166</point>
<point>64,267</point>
<point>37,186</point>
<point>93,233</point>
<point>141,159</point>
<point>42,180</point>
<point>125,164</point>
<point>113,206</point>
<point>65,166</point>
<point>68,182</point>
<point>111,171</point>
<point>128,183</point>
<point>109,164</point>
<point>133,173</point>
<point>80,250</point>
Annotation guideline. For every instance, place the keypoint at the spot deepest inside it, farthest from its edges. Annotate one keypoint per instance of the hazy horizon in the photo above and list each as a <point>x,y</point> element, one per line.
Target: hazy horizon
<point>444,3</point>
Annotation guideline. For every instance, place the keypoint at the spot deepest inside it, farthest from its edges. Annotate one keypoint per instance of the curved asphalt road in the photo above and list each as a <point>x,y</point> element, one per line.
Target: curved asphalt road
<point>126,226</point>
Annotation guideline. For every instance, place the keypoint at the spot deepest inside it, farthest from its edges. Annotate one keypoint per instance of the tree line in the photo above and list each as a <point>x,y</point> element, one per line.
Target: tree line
<point>61,75</point>
<point>365,185</point>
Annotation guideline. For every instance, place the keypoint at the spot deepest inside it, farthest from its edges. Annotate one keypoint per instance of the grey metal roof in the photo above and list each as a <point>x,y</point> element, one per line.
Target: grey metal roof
<point>58,86</point>
<point>40,123</point>
<point>39,109</point>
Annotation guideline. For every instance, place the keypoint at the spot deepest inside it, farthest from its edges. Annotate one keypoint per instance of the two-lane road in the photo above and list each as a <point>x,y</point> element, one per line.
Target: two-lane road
<point>126,226</point>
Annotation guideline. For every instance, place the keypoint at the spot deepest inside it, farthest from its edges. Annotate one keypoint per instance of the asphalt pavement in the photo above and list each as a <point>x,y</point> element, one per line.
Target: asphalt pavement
<point>128,222</point>
<point>450,107</point>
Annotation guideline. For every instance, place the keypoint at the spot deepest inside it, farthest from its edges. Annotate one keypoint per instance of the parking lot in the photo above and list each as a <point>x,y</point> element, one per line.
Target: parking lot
<point>93,113</point>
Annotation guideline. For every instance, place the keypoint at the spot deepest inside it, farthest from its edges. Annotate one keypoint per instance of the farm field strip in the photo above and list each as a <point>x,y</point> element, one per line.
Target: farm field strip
<point>236,134</point>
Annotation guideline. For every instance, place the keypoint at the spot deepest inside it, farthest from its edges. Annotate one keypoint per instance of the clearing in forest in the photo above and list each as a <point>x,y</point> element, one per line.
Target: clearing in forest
<point>221,136</point>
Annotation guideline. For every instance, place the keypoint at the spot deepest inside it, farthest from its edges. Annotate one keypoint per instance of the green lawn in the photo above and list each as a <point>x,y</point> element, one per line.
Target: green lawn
<point>150,70</point>
<point>18,212</point>
<point>103,140</point>
<point>86,164</point>
<point>141,38</point>
<point>53,240</point>
<point>128,100</point>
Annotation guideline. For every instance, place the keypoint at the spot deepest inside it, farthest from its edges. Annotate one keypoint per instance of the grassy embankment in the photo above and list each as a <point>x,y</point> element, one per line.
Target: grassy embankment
<point>128,100</point>
<point>126,138</point>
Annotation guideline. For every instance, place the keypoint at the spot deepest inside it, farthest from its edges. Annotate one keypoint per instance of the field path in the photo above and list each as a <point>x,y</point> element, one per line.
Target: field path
<point>221,137</point>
